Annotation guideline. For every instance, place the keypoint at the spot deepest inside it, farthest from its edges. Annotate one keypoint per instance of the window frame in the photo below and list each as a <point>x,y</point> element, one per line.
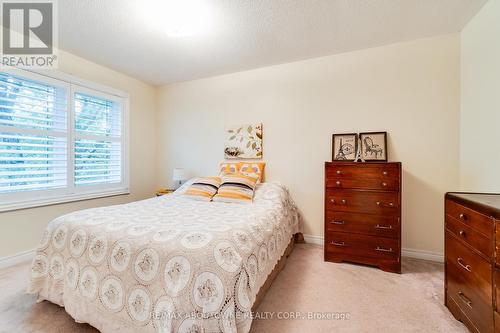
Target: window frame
<point>71,193</point>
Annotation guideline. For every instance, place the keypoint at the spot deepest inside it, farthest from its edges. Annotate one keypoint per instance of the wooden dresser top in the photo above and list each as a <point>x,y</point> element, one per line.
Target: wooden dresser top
<point>367,164</point>
<point>488,204</point>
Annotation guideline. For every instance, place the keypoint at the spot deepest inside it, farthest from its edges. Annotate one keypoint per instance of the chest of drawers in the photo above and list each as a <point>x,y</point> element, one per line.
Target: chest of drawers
<point>363,214</point>
<point>472,267</point>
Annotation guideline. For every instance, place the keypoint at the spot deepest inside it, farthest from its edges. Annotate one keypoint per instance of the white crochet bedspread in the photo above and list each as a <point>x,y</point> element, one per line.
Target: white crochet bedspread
<point>167,264</point>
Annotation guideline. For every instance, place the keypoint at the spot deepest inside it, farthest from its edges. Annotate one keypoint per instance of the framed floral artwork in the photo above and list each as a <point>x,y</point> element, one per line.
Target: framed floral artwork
<point>243,142</point>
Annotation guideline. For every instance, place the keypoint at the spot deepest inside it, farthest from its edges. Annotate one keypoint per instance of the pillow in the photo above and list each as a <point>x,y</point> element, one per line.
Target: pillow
<point>255,169</point>
<point>203,188</point>
<point>236,188</point>
<point>226,168</point>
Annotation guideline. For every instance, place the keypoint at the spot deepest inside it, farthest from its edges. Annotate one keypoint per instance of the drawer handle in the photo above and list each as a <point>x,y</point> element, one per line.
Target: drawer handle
<point>381,249</point>
<point>384,184</point>
<point>464,266</point>
<point>381,204</point>
<point>339,172</point>
<point>344,201</point>
<point>462,216</point>
<point>462,233</point>
<point>337,222</point>
<point>378,226</point>
<point>338,183</point>
<point>337,243</point>
<point>385,173</point>
<point>465,299</point>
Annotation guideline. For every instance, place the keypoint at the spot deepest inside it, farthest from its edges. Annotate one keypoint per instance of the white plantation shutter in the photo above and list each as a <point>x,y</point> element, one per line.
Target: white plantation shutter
<point>59,141</point>
<point>33,134</point>
<point>98,139</point>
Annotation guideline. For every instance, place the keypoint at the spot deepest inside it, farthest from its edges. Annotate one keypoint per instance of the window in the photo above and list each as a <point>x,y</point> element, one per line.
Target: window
<point>97,144</point>
<point>59,141</point>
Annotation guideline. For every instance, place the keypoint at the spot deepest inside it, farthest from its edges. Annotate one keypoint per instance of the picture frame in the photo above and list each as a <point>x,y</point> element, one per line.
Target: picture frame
<point>344,147</point>
<point>373,146</point>
<point>243,141</point>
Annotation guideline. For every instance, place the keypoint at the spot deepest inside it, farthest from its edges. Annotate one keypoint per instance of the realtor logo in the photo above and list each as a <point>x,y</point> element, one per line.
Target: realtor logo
<point>29,33</point>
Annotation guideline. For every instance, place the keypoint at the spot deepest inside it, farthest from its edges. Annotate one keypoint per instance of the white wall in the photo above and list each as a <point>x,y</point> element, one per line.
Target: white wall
<point>21,230</point>
<point>410,90</point>
<point>480,116</point>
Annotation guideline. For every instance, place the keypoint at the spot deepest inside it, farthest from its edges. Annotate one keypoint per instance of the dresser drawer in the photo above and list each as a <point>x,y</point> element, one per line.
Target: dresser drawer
<point>470,236</point>
<point>497,253</point>
<point>379,171</point>
<point>497,322</point>
<point>497,290</point>
<point>474,307</point>
<point>497,245</point>
<point>383,203</point>
<point>472,269</point>
<point>477,221</point>
<point>362,245</point>
<point>386,226</point>
<point>391,184</point>
<point>459,314</point>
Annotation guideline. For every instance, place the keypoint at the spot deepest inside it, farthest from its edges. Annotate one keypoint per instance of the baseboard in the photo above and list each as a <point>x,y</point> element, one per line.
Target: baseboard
<point>405,252</point>
<point>18,258</point>
<point>421,254</point>
<point>312,239</point>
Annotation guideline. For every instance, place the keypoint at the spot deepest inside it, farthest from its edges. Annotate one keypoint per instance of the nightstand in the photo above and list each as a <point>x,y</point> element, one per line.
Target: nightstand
<point>164,191</point>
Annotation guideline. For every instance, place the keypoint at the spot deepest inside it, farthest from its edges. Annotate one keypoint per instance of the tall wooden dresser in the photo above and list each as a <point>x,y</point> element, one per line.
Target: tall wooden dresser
<point>472,259</point>
<point>363,214</point>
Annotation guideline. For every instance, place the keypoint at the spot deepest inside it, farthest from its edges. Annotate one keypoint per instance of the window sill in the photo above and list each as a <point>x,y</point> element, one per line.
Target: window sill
<point>39,202</point>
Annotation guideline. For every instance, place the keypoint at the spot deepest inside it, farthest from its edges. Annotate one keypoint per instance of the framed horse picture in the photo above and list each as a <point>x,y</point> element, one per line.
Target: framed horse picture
<point>373,146</point>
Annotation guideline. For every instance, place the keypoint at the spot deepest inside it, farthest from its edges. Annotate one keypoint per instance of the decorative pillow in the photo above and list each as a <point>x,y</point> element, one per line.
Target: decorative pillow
<point>227,168</point>
<point>236,188</point>
<point>255,169</point>
<point>203,188</point>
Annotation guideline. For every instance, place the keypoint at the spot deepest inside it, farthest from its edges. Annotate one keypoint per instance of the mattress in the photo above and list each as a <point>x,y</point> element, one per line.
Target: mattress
<point>167,264</point>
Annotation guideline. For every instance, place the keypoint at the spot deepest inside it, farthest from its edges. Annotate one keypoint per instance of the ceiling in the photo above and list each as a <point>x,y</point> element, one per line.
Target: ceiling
<point>246,34</point>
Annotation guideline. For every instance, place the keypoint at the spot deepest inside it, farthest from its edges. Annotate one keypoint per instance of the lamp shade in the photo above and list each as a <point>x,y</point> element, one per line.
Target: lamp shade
<point>179,174</point>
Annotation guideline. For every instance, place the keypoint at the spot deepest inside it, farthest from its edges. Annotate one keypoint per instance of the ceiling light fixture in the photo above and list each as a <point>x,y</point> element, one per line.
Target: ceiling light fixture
<point>179,18</point>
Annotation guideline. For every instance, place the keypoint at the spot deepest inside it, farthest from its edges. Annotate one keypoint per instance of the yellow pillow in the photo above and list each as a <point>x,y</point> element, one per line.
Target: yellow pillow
<point>236,188</point>
<point>227,168</point>
<point>203,188</point>
<point>255,169</point>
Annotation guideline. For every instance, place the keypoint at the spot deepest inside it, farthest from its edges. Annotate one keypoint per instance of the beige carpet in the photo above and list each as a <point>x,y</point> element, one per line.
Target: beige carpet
<point>369,299</point>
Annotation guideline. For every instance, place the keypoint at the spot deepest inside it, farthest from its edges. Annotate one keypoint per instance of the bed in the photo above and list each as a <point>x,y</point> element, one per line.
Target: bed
<point>167,264</point>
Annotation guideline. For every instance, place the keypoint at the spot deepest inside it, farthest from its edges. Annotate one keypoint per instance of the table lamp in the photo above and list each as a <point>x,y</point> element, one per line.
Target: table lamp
<point>179,175</point>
